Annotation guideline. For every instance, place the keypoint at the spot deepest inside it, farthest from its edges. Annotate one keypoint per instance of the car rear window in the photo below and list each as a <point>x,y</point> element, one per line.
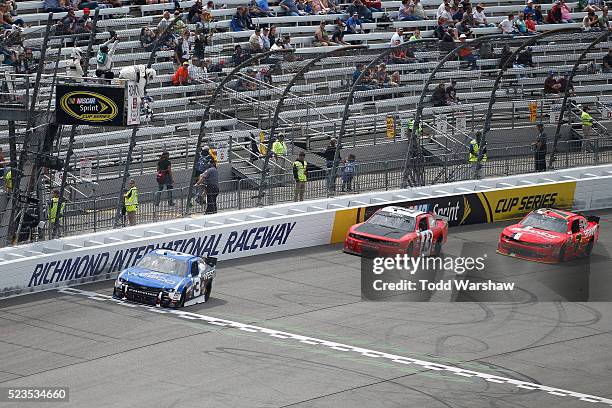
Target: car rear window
<point>399,222</point>
<point>163,264</point>
<point>545,222</point>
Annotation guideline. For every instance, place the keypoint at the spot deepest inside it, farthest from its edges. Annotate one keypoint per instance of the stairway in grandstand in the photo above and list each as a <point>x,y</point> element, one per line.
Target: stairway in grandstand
<point>313,110</point>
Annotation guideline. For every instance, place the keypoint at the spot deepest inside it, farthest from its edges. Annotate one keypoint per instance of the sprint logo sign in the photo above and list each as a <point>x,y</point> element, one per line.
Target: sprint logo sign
<point>91,106</point>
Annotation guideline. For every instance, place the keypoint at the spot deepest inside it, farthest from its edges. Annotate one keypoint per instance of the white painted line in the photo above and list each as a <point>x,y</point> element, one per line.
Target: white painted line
<point>345,347</point>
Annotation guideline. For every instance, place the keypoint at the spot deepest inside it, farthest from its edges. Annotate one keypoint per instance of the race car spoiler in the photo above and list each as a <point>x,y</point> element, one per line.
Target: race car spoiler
<point>210,261</point>
<point>592,218</point>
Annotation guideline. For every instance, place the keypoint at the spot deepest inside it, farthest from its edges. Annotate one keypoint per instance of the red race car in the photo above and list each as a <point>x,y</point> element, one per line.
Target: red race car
<point>550,235</point>
<point>397,230</point>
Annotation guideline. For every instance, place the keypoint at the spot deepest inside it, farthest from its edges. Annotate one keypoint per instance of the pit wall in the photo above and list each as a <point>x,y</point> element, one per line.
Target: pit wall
<point>230,235</point>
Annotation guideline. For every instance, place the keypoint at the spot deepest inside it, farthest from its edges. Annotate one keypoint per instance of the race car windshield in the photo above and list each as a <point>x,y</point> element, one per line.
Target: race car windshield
<point>546,223</point>
<point>393,221</point>
<point>163,264</point>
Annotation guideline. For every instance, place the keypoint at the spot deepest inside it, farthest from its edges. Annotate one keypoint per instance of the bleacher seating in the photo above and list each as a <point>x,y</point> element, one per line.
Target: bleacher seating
<point>318,101</point>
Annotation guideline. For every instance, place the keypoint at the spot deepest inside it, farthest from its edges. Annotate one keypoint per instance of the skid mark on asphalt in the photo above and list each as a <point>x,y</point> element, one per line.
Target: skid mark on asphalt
<point>345,348</point>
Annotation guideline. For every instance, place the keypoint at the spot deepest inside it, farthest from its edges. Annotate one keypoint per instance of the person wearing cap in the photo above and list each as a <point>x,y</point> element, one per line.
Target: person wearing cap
<point>354,25</point>
<point>480,18</point>
<point>181,76</point>
<point>300,175</point>
<point>321,38</point>
<point>398,37</point>
<point>528,10</point>
<point>476,157</point>
<point>467,53</point>
<point>54,211</point>
<point>130,202</point>
<point>255,41</point>
<point>539,148</point>
<point>265,38</point>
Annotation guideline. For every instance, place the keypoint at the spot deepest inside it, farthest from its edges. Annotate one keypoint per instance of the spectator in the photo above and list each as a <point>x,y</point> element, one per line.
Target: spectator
<point>300,175</point>
<point>521,25</point>
<point>566,85</point>
<point>604,20</point>
<point>179,25</point>
<point>507,25</point>
<point>24,63</point>
<point>395,79</point>
<point>163,23</point>
<point>321,39</point>
<point>525,58</point>
<point>595,5</point>
<point>238,57</point>
<point>555,15</point>
<point>319,7</point>
<point>566,15</point>
<point>194,15</point>
<point>382,76</point>
<point>255,41</point>
<point>398,37</point>
<point>418,10</point>
<point>375,6</point>
<point>438,97</point>
<point>181,76</point>
<point>247,82</point>
<point>551,85</point>
<point>339,31</point>
<point>8,17</point>
<point>538,17</point>
<point>147,38</point>
<point>265,38</point>
<point>8,178</point>
<point>467,53</point>
<point>241,20</point>
<point>442,8</point>
<point>329,154</point>
<point>607,62</point>
<point>273,35</point>
<point>197,71</point>
<point>305,6</point>
<point>451,92</point>
<point>357,7</point>
<point>209,181</point>
<point>406,11</point>
<point>354,25</point>
<point>130,202</point>
<point>447,15</point>
<point>67,25</point>
<point>348,172</point>
<point>358,71</point>
<point>199,44</point>
<point>506,53</point>
<point>528,10</point>
<point>416,35</point>
<point>530,24</point>
<point>74,69</point>
<point>204,161</point>
<point>164,178</point>
<point>104,58</point>
<point>590,21</point>
<point>260,8</point>
<point>54,6</point>
<point>182,50</point>
<point>291,9</point>
<point>539,148</point>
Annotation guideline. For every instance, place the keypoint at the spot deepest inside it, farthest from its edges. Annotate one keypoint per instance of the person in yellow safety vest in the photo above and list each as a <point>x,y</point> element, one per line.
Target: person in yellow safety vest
<point>130,202</point>
<point>474,148</point>
<point>300,175</point>
<point>473,158</point>
<point>53,209</point>
<point>8,180</point>
<point>411,125</point>
<point>279,150</point>
<point>587,122</point>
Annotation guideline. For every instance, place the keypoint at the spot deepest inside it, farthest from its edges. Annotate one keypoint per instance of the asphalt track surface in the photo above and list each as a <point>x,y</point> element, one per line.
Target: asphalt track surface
<point>296,333</point>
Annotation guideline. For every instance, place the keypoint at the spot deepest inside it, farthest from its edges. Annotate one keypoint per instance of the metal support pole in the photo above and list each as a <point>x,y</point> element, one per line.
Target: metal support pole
<point>60,202</point>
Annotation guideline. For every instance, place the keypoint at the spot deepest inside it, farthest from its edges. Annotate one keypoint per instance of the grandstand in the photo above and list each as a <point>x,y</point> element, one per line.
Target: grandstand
<point>313,109</point>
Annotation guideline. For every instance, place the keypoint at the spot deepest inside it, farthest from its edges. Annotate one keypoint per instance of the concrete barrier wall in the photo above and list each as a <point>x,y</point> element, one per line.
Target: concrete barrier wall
<point>78,259</point>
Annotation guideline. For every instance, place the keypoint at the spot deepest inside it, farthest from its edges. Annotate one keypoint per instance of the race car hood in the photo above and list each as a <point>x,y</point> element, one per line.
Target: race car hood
<point>533,235</point>
<point>145,277</point>
<point>379,231</point>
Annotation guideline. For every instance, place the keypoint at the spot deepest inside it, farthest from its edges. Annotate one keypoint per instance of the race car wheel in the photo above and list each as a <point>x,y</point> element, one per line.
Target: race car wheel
<point>589,248</point>
<point>410,250</point>
<point>562,253</point>
<point>438,247</point>
<point>181,301</point>
<point>208,290</point>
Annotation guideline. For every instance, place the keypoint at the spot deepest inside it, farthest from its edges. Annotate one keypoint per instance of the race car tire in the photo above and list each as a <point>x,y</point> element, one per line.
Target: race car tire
<point>410,250</point>
<point>562,253</point>
<point>208,290</point>
<point>181,301</point>
<point>589,248</point>
<point>438,247</point>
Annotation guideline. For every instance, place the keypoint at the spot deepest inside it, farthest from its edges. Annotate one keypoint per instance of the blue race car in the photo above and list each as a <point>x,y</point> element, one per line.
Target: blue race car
<point>168,279</point>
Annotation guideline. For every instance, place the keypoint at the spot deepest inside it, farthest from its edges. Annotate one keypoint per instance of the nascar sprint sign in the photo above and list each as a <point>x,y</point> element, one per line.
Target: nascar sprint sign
<point>91,105</point>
